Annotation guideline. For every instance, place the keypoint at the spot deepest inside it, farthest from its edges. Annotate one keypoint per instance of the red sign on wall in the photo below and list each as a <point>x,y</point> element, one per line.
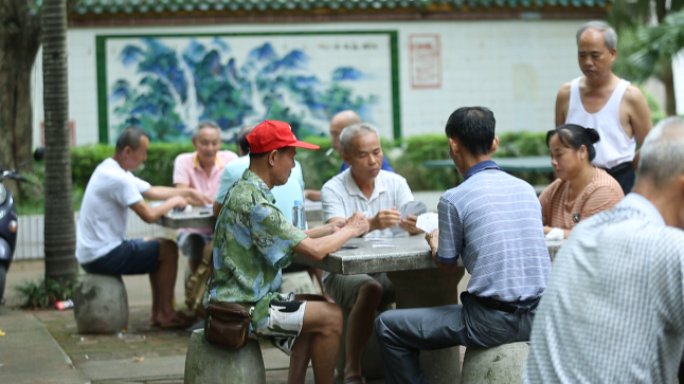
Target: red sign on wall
<point>72,133</point>
<point>426,62</point>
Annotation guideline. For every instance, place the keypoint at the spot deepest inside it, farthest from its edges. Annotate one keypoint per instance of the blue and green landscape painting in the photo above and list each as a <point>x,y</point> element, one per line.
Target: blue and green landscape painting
<point>168,85</point>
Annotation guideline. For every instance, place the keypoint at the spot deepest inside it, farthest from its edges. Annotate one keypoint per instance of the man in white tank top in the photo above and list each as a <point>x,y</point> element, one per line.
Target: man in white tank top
<point>603,101</point>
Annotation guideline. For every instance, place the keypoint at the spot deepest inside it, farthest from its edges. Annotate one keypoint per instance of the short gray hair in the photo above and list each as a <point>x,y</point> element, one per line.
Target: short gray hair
<point>352,131</point>
<point>610,37</point>
<point>205,124</point>
<point>662,155</point>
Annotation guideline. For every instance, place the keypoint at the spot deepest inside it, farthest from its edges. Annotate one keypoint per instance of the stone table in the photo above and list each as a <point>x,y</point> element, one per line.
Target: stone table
<point>418,281</point>
<point>202,217</point>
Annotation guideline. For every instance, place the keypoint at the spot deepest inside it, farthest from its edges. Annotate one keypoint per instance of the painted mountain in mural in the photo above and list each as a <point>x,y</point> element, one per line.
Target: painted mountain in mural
<point>175,88</point>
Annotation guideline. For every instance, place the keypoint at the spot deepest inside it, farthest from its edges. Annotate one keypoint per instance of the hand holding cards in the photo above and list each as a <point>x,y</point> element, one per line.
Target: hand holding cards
<point>428,222</point>
<point>414,208</point>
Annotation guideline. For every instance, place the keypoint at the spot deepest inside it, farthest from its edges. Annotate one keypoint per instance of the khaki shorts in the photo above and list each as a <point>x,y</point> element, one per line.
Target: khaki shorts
<point>345,288</point>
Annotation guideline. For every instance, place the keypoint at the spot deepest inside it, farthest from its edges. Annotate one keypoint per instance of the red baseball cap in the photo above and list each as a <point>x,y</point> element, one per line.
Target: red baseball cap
<point>271,135</point>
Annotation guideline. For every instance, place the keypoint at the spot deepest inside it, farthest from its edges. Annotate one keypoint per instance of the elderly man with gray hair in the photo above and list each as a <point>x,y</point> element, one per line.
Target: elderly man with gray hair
<point>200,170</point>
<point>364,187</point>
<point>603,101</point>
<point>613,311</point>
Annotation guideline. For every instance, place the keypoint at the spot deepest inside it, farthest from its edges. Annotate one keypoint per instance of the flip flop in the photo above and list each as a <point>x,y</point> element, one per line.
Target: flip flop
<point>354,380</point>
<point>179,321</point>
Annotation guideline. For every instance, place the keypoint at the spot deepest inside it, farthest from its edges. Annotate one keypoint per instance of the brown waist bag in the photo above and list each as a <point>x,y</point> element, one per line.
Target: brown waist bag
<point>227,324</point>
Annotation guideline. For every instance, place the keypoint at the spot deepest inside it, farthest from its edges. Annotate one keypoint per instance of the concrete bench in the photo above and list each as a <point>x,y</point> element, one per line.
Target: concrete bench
<point>210,364</point>
<point>502,364</point>
<point>100,304</point>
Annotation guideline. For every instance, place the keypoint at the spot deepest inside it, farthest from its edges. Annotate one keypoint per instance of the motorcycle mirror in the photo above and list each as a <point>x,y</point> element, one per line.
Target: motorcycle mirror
<point>39,154</point>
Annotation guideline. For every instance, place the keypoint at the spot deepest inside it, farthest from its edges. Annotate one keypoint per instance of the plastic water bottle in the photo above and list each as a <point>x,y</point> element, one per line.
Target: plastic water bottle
<point>299,215</point>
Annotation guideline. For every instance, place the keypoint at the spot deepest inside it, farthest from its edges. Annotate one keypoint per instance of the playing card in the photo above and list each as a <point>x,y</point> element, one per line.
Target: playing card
<point>428,222</point>
<point>411,208</point>
<point>383,245</point>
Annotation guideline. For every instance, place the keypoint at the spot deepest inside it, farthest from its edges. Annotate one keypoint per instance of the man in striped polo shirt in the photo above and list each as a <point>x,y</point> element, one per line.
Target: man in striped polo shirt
<point>494,222</point>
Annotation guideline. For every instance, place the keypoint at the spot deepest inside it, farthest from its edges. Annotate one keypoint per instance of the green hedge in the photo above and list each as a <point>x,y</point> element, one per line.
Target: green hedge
<point>406,156</point>
<point>157,170</point>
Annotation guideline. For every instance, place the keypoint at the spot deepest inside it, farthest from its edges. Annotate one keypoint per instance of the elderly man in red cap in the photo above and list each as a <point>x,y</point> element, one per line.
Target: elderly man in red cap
<point>253,242</point>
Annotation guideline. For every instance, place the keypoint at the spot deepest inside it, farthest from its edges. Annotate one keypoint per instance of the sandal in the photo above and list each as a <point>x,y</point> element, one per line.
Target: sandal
<point>354,380</point>
<point>179,321</point>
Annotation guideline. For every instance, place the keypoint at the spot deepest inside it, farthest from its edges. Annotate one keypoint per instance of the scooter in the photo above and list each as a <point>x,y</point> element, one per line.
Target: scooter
<point>8,220</point>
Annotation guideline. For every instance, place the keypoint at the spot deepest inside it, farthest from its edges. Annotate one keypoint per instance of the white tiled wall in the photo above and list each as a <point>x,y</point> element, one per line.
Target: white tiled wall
<point>513,67</point>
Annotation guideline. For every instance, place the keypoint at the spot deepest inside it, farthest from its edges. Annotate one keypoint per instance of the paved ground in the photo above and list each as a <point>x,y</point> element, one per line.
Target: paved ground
<point>44,346</point>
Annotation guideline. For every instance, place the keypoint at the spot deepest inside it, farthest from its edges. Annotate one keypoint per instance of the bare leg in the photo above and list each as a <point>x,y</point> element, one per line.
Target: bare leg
<point>194,263</point>
<point>163,281</point>
<point>299,359</point>
<point>316,273</point>
<point>323,321</point>
<point>360,326</point>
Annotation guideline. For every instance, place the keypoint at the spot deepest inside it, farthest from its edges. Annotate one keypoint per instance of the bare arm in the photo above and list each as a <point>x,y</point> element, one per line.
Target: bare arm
<point>217,209</point>
<point>193,196</point>
<point>317,249</point>
<point>181,185</point>
<point>312,195</point>
<point>329,228</point>
<point>640,114</point>
<point>562,102</point>
<point>151,214</point>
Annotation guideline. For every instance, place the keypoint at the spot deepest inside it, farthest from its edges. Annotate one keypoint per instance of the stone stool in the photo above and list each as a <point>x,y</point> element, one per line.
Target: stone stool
<point>210,364</point>
<point>502,364</point>
<point>371,363</point>
<point>100,304</point>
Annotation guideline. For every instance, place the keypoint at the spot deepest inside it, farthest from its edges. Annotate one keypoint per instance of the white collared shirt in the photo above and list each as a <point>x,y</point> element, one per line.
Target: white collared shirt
<point>341,197</point>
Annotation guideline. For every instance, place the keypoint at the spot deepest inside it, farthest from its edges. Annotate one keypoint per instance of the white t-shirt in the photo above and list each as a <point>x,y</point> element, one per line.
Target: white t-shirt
<point>104,210</point>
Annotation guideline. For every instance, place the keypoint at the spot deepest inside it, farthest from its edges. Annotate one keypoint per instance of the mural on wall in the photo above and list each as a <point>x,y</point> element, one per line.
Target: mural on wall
<point>167,85</point>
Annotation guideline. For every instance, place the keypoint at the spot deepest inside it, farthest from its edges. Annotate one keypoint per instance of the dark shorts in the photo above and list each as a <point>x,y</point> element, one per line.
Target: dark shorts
<point>132,257</point>
<point>625,176</point>
<point>192,244</point>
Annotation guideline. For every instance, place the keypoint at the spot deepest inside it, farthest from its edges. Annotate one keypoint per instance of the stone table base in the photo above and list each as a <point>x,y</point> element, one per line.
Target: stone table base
<point>431,288</point>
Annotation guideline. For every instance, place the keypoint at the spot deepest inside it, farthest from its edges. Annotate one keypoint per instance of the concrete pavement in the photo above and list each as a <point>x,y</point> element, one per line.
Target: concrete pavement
<point>30,355</point>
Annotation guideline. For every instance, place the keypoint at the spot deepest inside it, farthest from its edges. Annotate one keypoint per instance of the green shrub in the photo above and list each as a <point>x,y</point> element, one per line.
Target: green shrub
<point>318,168</point>
<point>405,155</point>
<point>157,169</point>
<point>414,152</point>
<point>45,293</point>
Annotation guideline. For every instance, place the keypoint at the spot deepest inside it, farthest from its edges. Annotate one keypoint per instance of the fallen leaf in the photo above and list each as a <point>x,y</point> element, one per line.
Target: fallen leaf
<point>2,333</point>
<point>139,359</point>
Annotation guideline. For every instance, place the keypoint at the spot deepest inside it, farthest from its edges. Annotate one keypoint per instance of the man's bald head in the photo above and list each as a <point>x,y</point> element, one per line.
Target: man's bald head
<point>340,121</point>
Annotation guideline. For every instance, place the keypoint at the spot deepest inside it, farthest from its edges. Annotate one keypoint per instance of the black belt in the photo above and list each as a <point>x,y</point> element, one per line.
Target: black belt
<point>620,169</point>
<point>506,307</point>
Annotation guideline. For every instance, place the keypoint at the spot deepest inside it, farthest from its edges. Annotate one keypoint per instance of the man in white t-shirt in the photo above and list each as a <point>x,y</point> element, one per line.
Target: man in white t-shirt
<point>364,187</point>
<point>101,246</point>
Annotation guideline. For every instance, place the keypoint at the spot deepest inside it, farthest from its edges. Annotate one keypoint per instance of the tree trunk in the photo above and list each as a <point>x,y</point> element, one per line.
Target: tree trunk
<point>668,81</point>
<point>60,263</point>
<point>19,42</point>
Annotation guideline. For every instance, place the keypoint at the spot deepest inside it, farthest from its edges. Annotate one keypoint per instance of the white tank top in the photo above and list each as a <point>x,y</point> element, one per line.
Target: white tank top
<point>614,146</point>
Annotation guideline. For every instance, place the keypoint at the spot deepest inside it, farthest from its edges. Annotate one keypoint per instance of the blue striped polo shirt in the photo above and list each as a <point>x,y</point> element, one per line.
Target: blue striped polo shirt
<point>494,222</point>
